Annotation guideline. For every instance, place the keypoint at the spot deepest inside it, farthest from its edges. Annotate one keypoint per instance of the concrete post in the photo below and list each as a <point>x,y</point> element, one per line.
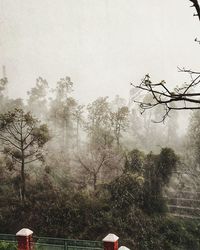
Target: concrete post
<point>123,248</point>
<point>24,239</point>
<point>110,242</point>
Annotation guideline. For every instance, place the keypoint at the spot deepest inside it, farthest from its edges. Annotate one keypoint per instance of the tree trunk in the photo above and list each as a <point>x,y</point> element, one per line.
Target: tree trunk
<point>118,143</point>
<point>77,135</point>
<point>95,182</point>
<point>23,179</point>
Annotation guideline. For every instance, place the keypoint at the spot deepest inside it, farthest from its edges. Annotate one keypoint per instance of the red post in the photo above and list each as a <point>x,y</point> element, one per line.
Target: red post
<point>110,242</point>
<point>24,239</point>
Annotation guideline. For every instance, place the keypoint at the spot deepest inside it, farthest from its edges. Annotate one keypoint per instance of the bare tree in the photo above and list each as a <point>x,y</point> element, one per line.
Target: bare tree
<point>181,98</point>
<point>99,165</point>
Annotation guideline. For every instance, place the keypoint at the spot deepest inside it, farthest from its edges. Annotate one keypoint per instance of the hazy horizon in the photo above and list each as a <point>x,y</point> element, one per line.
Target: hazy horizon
<point>102,45</point>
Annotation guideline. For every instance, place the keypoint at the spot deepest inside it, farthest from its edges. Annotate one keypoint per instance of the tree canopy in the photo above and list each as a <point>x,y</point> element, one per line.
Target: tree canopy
<point>22,140</point>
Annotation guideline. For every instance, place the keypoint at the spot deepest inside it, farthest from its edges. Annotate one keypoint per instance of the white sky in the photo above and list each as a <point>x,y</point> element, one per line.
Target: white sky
<point>103,45</point>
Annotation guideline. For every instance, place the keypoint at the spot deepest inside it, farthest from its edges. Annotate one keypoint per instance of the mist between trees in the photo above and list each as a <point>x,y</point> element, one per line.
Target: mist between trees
<point>79,171</point>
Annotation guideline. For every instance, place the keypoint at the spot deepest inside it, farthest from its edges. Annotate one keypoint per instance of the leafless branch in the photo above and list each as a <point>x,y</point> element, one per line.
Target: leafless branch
<point>181,98</point>
<point>196,6</point>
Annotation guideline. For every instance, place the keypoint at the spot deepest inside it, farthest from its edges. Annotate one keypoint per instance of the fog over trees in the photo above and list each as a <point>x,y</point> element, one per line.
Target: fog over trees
<point>82,170</point>
<point>105,153</point>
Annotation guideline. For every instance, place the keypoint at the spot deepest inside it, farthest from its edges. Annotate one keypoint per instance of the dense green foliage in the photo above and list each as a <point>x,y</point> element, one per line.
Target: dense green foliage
<point>121,207</point>
<point>80,174</point>
<point>77,215</point>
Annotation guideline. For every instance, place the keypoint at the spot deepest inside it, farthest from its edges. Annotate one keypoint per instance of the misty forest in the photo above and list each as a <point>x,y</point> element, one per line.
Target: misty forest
<point>130,166</point>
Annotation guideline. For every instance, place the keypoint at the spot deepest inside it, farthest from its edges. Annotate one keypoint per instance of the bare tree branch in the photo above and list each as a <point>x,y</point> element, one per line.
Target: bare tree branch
<point>196,6</point>
<point>180,98</point>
